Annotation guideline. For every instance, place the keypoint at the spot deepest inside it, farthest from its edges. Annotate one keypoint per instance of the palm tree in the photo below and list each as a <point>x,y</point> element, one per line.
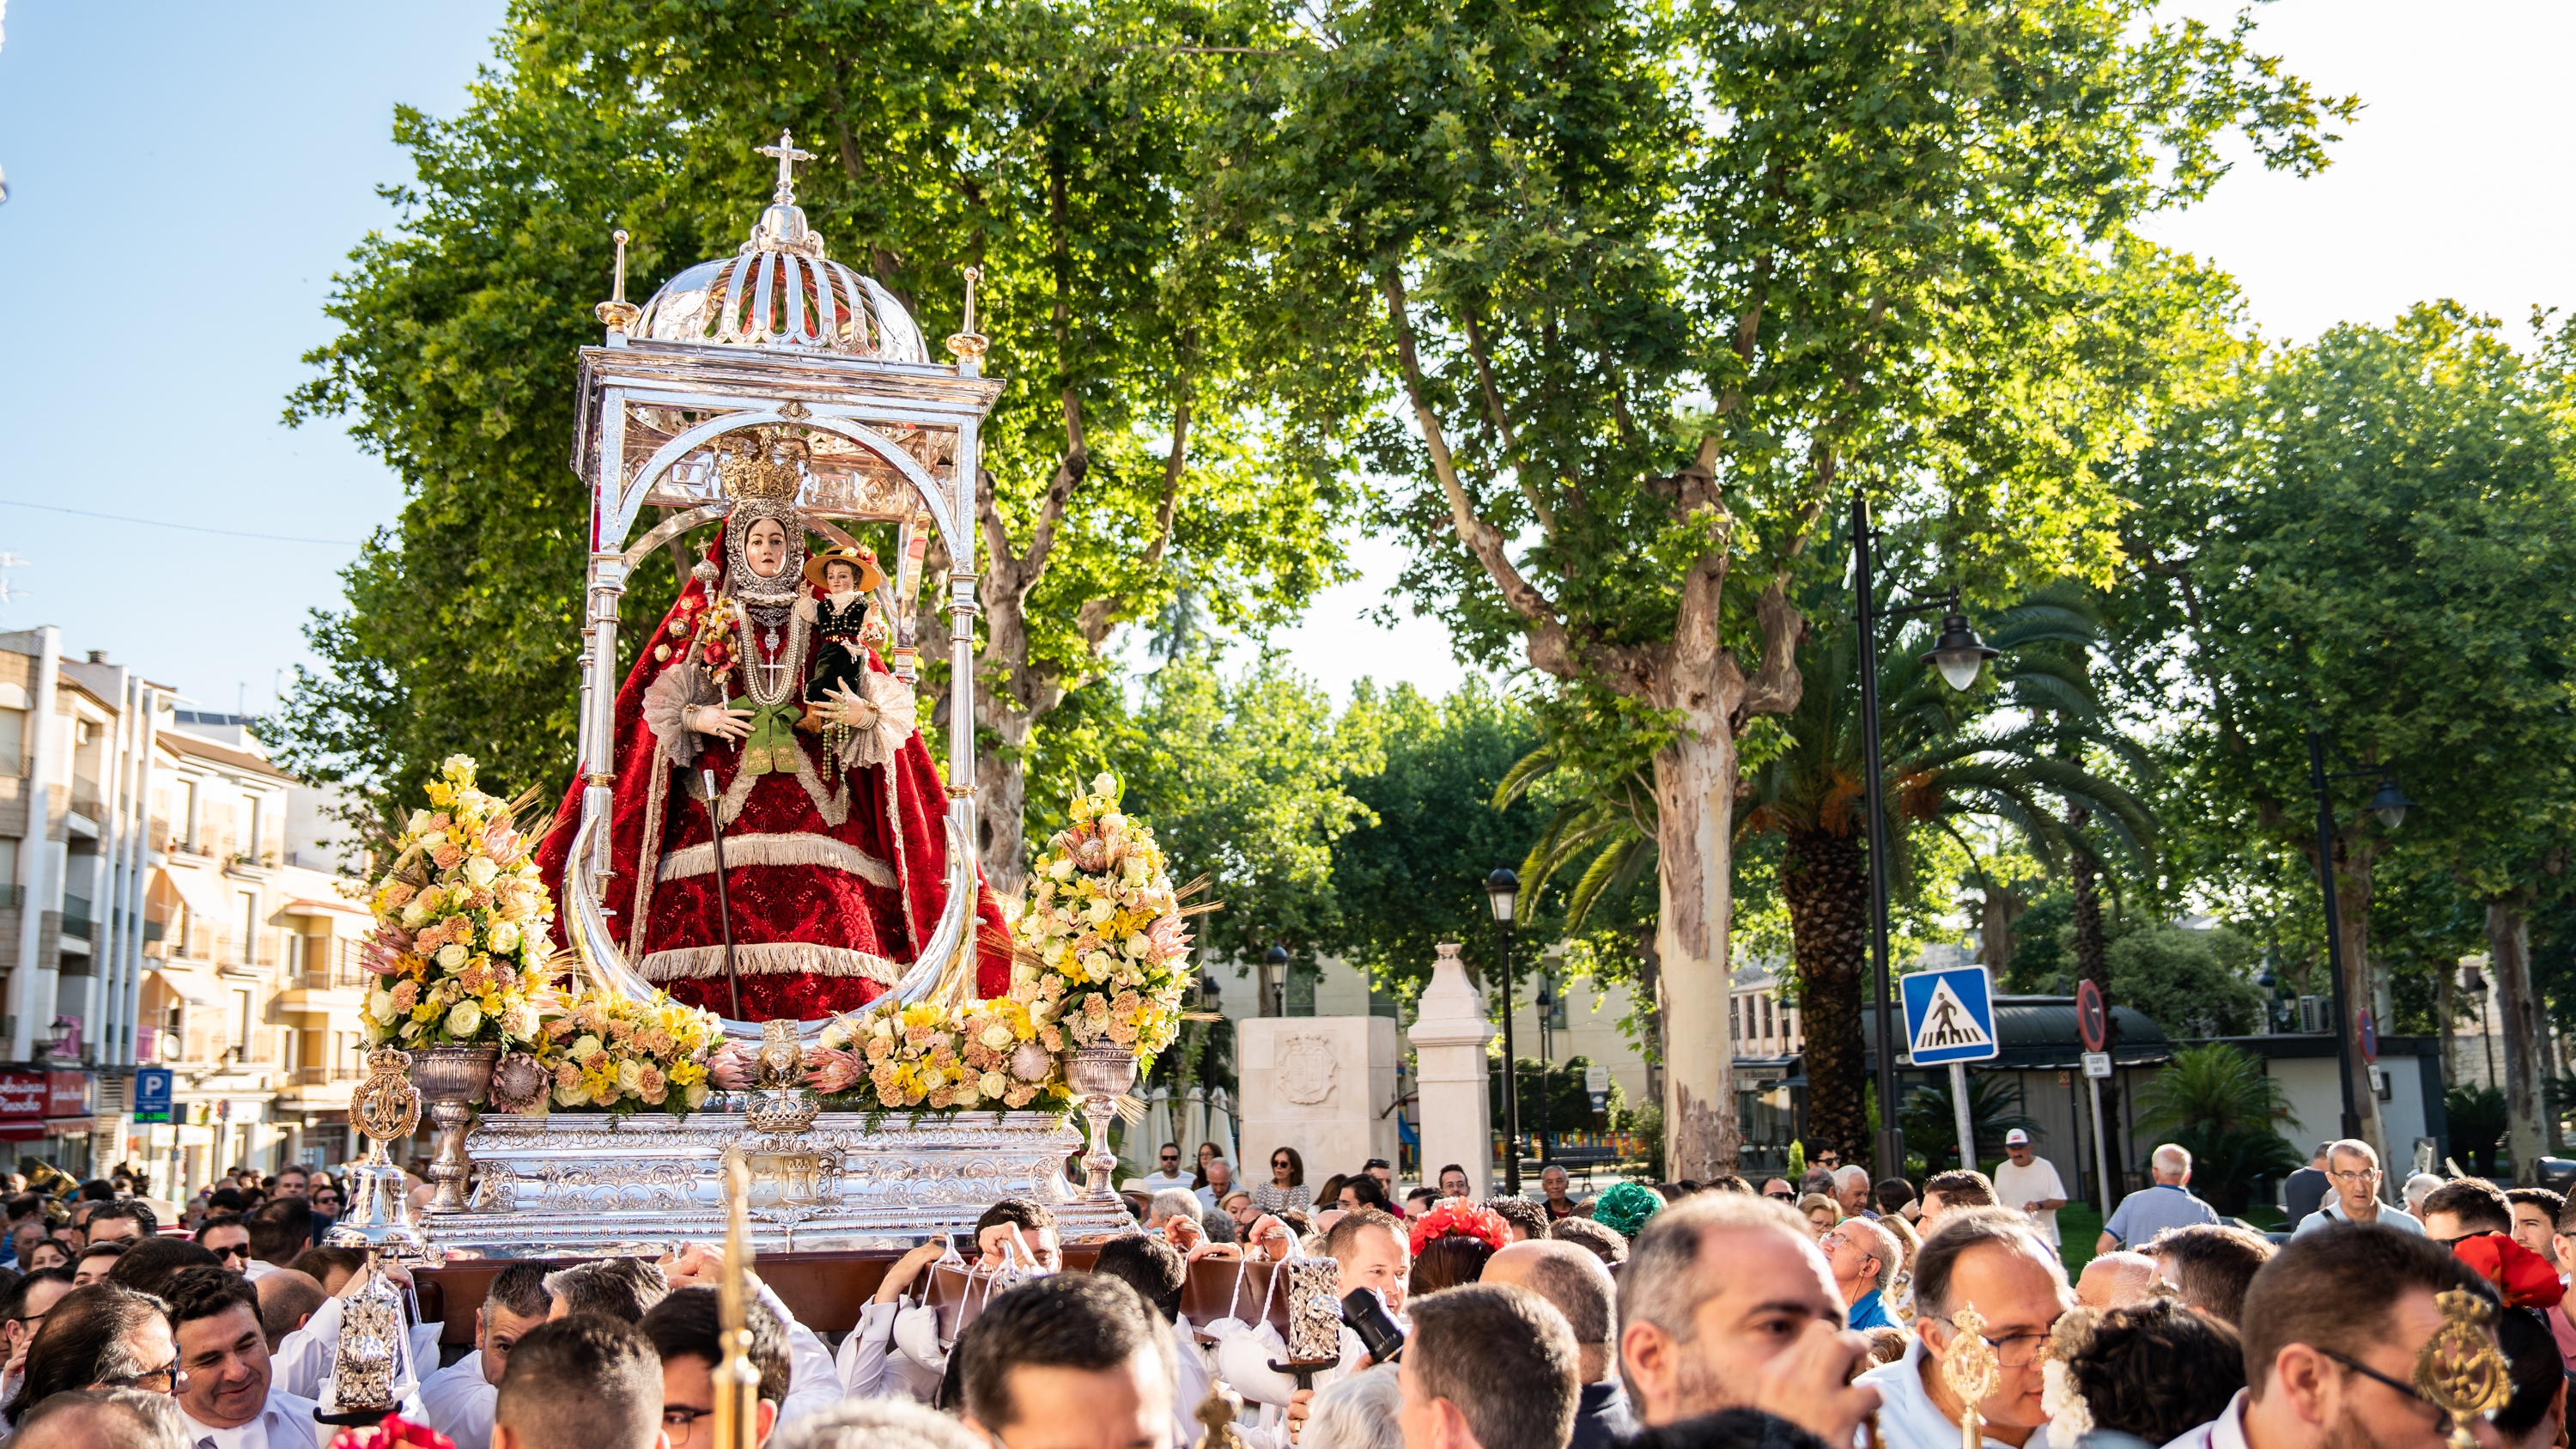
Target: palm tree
<point>1931,1119</point>
<point>2217,1102</point>
<point>1995,752</point>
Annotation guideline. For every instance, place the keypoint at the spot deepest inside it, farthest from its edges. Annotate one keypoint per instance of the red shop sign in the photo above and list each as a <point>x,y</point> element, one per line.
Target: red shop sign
<point>22,1096</point>
<point>66,1094</point>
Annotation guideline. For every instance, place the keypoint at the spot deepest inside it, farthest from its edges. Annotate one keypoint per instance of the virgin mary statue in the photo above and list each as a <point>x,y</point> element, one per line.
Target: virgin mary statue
<point>833,814</point>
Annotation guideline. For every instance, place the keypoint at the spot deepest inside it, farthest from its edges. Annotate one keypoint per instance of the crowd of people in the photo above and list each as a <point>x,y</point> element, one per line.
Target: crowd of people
<point>1730,1314</point>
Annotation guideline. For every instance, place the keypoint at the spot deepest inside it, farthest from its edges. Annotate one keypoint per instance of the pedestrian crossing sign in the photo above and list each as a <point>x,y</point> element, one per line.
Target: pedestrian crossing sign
<point>1949,1015</point>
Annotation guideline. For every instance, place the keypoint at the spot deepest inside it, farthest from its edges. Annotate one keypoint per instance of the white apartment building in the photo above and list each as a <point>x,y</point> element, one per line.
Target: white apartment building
<point>167,898</point>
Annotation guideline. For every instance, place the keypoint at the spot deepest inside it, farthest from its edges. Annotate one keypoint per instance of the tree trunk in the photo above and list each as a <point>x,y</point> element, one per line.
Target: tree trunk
<point>1694,795</point>
<point>1825,878</point>
<point>2352,900</point>
<point>2446,982</point>
<point>2509,959</point>
<point>1996,913</point>
<point>2092,953</point>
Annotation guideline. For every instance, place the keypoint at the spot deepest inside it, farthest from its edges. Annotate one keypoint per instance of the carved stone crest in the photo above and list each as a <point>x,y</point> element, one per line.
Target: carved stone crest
<point>1305,1068</point>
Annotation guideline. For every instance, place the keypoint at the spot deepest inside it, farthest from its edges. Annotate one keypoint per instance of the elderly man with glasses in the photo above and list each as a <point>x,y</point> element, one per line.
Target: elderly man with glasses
<point>1992,1258</point>
<point>1863,1256</point>
<point>2352,1171</point>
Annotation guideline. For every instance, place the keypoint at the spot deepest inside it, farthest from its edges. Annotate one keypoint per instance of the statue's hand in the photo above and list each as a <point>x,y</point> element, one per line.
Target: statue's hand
<point>714,719</point>
<point>848,707</point>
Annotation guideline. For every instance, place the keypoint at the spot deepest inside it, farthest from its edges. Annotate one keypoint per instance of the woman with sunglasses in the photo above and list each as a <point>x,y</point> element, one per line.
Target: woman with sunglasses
<point>1287,1185</point>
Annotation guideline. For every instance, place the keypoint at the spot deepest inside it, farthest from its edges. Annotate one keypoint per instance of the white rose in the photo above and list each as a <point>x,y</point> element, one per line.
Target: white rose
<point>505,939</point>
<point>1100,909</point>
<point>696,1096</point>
<point>630,1075</point>
<point>569,1096</point>
<point>584,1047</point>
<point>835,1037</point>
<point>380,1005</point>
<point>994,1085</point>
<point>419,822</point>
<point>1061,868</point>
<point>1136,945</point>
<point>1104,784</point>
<point>416,914</point>
<point>452,955</point>
<point>1112,823</point>
<point>465,1020</point>
<point>481,870</point>
<point>996,1036</point>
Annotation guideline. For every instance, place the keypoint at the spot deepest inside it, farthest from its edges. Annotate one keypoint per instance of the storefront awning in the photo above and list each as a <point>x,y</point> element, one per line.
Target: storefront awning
<point>200,891</point>
<point>188,986</point>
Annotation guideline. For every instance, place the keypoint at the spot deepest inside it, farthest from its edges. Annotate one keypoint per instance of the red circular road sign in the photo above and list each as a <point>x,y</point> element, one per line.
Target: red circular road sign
<point>2091,1022</point>
<point>2369,1033</point>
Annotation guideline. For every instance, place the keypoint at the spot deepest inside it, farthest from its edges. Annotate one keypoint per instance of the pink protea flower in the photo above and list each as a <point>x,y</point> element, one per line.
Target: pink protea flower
<point>384,951</point>
<point>1167,938</point>
<point>730,1067</point>
<point>831,1071</point>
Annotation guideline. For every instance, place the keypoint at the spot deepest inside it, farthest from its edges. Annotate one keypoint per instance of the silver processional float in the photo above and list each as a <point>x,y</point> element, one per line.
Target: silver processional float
<point>775,340</point>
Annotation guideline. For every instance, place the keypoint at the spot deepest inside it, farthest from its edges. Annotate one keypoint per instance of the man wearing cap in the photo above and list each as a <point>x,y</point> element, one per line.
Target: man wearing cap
<point>2029,1181</point>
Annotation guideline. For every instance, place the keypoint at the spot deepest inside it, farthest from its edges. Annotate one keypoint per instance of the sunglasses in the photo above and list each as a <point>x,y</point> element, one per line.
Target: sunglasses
<point>1781,1196</point>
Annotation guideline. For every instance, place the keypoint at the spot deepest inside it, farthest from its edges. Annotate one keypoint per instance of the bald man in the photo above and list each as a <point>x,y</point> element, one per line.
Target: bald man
<point>1575,1280</point>
<point>2116,1280</point>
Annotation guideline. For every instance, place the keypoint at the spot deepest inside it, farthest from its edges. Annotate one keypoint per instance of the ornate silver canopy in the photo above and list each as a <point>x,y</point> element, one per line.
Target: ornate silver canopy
<point>780,340</point>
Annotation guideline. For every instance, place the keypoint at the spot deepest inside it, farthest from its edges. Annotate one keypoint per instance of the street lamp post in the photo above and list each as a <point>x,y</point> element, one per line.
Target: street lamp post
<point>1503,888</point>
<point>2389,804</point>
<point>1274,981</point>
<point>1960,655</point>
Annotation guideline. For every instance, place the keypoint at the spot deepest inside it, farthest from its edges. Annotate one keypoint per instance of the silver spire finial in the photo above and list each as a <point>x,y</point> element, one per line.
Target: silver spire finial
<point>788,156</point>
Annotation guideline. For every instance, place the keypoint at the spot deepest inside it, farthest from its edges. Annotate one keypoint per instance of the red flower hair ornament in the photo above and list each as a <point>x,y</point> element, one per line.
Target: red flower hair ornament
<point>1458,1218</point>
<point>2522,1277</point>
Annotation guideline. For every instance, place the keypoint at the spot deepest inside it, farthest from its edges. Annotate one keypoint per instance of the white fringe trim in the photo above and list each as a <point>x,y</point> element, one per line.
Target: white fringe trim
<point>773,958</point>
<point>799,848</point>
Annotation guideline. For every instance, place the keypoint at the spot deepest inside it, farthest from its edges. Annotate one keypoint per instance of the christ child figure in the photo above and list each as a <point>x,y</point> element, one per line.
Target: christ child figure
<point>845,621</point>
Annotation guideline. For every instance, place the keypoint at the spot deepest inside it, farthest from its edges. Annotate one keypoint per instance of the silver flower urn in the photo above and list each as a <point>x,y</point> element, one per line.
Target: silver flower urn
<point>451,1079</point>
<point>1099,1075</point>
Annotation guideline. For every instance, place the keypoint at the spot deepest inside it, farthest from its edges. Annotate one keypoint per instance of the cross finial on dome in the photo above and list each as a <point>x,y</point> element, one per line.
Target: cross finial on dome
<point>788,156</point>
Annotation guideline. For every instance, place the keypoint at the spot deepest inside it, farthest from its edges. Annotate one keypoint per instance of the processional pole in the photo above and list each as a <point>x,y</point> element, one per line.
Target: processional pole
<point>724,908</point>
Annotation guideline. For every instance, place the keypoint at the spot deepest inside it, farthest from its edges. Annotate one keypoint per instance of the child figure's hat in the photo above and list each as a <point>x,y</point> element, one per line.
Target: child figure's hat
<point>862,559</point>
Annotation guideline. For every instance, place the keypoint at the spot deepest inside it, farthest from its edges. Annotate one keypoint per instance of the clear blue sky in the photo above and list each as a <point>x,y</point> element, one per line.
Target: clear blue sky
<point>184,179</point>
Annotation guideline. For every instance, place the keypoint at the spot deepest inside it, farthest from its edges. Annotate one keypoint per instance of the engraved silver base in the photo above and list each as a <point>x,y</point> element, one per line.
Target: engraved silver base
<point>585,1183</point>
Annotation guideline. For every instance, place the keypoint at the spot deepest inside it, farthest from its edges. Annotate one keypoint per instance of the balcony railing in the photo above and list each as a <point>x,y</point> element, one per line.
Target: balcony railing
<point>76,917</point>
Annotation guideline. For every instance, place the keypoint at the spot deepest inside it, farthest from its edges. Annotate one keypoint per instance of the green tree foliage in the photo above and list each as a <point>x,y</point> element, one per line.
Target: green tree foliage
<point>2219,1103</point>
<point>1653,288</point>
<point>2371,536</point>
<point>2191,983</point>
<point>1414,875</point>
<point>2478,1126</point>
<point>1246,781</point>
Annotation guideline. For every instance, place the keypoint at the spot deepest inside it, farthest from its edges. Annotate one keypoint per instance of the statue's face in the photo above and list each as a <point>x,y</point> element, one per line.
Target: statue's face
<point>840,578</point>
<point>765,547</point>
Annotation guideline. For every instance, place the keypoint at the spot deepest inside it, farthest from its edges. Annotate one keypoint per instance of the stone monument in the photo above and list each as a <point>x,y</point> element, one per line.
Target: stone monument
<point>1324,1085</point>
<point>1449,1038</point>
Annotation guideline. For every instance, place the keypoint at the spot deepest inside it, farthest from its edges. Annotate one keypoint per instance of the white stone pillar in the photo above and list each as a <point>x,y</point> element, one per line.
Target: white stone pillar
<point>1449,1038</point>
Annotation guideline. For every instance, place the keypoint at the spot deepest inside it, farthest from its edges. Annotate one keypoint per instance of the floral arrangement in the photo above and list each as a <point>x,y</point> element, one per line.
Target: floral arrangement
<point>1104,952</point>
<point>1458,1218</point>
<point>617,1054</point>
<point>983,1054</point>
<point>460,946</point>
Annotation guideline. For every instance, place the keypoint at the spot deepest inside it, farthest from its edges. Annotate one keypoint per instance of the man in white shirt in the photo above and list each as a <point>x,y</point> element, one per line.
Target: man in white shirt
<point>1169,1174</point>
<point>2029,1182</point>
<point>459,1398</point>
<point>2332,1328</point>
<point>227,1399</point>
<point>1992,1258</point>
<point>867,1365</point>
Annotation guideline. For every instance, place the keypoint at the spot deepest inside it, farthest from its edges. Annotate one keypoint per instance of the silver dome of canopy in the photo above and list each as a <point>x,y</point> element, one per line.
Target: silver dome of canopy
<point>781,291</point>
